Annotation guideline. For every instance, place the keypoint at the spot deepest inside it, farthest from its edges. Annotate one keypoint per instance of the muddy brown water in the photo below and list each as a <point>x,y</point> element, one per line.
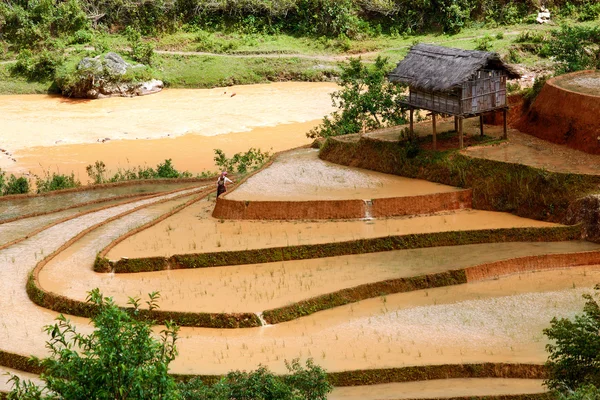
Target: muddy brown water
<point>258,287</point>
<point>42,204</point>
<point>440,388</point>
<point>183,124</point>
<point>475,323</point>
<point>301,175</point>
<point>193,230</point>
<point>11,231</point>
<point>21,321</point>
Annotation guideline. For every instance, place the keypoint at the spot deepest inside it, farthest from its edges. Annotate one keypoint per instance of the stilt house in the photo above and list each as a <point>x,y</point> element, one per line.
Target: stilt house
<point>447,81</point>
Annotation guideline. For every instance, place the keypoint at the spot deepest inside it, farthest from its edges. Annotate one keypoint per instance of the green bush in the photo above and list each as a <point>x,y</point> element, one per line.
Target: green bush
<point>29,24</point>
<point>242,163</point>
<point>121,359</point>
<point>574,353</point>
<point>37,65</point>
<point>56,181</point>
<point>140,51</point>
<point>589,11</point>
<point>308,383</point>
<point>13,185</point>
<point>367,100</point>
<point>82,36</point>
<point>484,43</point>
<point>575,48</point>
<point>97,173</point>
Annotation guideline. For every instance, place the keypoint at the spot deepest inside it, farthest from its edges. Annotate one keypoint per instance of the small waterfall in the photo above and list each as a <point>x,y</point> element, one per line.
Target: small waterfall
<point>368,210</point>
<point>262,319</point>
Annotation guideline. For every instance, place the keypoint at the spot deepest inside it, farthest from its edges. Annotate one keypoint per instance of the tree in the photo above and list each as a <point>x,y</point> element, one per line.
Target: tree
<point>574,358</point>
<point>119,360</point>
<point>575,48</point>
<point>367,100</point>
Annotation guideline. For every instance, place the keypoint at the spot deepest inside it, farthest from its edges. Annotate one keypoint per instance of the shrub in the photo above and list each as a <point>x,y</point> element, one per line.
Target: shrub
<point>97,172</point>
<point>575,48</point>
<point>484,43</point>
<point>121,359</point>
<point>81,36</point>
<point>166,170</point>
<point>39,65</point>
<point>538,84</point>
<point>56,181</point>
<point>241,163</point>
<point>16,185</point>
<point>308,383</point>
<point>589,11</point>
<point>574,354</point>
<point>140,51</point>
<point>367,100</point>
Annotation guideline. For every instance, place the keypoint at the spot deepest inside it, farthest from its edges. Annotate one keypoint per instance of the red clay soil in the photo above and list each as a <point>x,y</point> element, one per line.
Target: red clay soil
<point>564,117</point>
<point>531,263</point>
<point>516,105</point>
<point>342,209</point>
<point>414,205</point>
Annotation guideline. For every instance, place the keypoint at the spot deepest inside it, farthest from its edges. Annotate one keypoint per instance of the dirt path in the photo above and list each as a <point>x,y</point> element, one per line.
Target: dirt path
<point>521,147</point>
<point>529,150</point>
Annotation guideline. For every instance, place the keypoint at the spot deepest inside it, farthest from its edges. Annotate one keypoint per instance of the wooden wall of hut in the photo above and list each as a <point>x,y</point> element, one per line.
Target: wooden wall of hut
<point>442,103</point>
<point>486,91</point>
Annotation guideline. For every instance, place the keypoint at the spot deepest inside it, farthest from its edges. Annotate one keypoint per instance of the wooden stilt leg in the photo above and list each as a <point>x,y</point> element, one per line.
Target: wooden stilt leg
<point>481,124</point>
<point>412,122</point>
<point>433,117</point>
<point>505,126</point>
<point>460,132</point>
<point>455,124</point>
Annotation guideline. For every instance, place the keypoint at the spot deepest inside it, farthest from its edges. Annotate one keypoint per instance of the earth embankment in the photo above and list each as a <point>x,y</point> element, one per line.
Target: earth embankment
<point>566,112</point>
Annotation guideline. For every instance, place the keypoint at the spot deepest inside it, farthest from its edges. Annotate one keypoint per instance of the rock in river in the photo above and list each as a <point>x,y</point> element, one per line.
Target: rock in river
<point>109,75</point>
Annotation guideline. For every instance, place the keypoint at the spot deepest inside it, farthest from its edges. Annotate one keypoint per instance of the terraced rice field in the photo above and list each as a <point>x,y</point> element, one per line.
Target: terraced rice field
<point>498,320</point>
<point>300,175</point>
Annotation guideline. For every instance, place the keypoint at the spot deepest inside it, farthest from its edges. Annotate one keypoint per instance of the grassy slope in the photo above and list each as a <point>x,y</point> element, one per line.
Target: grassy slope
<point>202,71</point>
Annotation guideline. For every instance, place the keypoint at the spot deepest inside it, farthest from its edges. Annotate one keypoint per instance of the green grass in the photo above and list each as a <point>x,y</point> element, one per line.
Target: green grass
<point>202,71</point>
<point>16,85</point>
<point>211,71</point>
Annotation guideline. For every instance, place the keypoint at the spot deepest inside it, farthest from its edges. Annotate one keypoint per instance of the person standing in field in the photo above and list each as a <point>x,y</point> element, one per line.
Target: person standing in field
<point>222,182</point>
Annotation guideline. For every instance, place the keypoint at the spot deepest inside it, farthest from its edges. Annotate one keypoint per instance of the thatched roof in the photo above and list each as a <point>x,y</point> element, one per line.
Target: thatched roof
<point>436,68</point>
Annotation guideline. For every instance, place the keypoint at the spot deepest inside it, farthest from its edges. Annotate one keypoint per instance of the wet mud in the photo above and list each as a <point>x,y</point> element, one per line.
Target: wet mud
<point>258,287</point>
<point>441,388</point>
<point>300,175</point>
<point>193,230</point>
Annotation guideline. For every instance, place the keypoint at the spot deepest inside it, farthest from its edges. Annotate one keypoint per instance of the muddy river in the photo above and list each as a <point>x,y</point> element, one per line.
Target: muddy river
<point>186,125</point>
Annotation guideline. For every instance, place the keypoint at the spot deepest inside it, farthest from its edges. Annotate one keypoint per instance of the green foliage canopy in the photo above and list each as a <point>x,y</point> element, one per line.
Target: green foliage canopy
<point>122,359</point>
<point>367,100</point>
<point>574,354</point>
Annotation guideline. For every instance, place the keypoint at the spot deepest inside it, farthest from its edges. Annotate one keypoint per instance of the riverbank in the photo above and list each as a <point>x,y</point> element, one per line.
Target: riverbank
<point>182,59</point>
